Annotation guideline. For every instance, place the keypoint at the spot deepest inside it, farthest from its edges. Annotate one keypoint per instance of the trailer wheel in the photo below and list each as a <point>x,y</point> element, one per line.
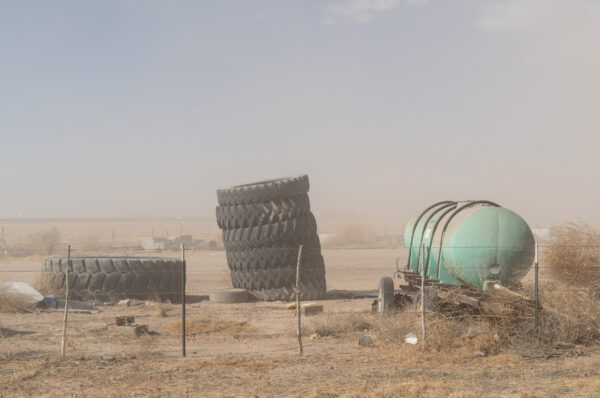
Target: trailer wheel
<point>385,299</point>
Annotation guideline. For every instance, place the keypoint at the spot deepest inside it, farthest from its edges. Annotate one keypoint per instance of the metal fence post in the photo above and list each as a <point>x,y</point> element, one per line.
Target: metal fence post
<point>423,294</point>
<point>183,277</point>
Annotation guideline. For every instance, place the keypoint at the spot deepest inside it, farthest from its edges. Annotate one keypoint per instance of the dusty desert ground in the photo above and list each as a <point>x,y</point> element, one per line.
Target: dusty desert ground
<point>251,349</point>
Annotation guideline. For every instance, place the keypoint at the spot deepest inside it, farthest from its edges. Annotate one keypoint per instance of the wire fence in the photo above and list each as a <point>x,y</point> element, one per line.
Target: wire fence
<point>191,325</point>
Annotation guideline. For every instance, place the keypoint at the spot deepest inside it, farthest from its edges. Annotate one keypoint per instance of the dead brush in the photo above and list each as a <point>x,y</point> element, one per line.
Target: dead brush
<point>158,308</point>
<point>161,309</point>
<point>504,320</point>
<point>570,316</point>
<point>11,304</point>
<point>42,284</point>
<point>573,254</point>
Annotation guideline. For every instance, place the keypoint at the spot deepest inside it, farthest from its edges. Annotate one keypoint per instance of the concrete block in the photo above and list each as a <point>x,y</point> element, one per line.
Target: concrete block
<point>125,320</point>
<point>133,330</point>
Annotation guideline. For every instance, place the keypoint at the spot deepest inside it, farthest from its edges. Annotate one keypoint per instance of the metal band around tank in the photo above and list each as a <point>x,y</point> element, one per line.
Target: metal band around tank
<point>433,235</point>
<point>469,204</point>
<point>417,223</point>
<point>425,227</point>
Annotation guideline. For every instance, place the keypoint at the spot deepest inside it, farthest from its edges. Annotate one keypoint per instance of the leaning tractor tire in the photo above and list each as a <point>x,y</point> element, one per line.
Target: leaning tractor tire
<point>255,214</point>
<point>266,258</point>
<point>278,284</point>
<point>263,191</point>
<point>285,234</point>
<point>263,225</point>
<point>114,278</point>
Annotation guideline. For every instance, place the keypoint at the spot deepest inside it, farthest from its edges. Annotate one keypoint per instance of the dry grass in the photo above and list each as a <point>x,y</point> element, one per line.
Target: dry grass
<point>161,309</point>
<point>573,254</point>
<point>207,324</point>
<point>337,324</point>
<point>42,285</point>
<point>237,362</point>
<point>570,316</point>
<point>503,322</point>
<point>420,387</point>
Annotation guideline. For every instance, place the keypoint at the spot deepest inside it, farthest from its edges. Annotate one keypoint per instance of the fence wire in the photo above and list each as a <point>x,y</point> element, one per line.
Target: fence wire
<point>97,334</point>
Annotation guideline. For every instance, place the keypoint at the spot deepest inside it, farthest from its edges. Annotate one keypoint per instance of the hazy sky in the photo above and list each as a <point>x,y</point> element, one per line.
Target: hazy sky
<point>145,108</point>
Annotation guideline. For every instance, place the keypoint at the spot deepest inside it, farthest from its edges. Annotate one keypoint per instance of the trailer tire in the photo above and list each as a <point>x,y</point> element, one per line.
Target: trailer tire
<point>385,298</point>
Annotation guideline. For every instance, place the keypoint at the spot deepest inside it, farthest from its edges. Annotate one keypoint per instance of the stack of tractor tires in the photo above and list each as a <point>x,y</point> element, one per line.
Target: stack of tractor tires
<point>264,224</point>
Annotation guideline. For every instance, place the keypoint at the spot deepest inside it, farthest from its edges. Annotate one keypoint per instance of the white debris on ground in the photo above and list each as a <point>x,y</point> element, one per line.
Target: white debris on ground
<point>411,338</point>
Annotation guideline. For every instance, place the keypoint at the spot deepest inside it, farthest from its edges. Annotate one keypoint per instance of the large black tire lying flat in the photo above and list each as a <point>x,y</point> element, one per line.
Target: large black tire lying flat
<point>251,215</point>
<point>229,296</point>
<point>114,278</point>
<point>263,191</point>
<point>285,234</point>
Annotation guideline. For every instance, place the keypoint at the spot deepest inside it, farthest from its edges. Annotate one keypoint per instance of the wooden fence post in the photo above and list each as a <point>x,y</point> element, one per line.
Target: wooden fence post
<point>298,309</point>
<point>64,333</point>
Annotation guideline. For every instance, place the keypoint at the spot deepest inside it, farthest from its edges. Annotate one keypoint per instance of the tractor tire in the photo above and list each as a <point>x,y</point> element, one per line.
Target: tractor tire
<point>114,278</point>
<point>263,191</point>
<point>278,284</point>
<point>252,215</point>
<point>229,296</point>
<point>284,234</point>
<point>270,258</point>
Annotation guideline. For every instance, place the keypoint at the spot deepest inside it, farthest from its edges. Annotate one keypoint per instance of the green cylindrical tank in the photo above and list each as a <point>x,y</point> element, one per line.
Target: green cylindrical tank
<point>472,242</point>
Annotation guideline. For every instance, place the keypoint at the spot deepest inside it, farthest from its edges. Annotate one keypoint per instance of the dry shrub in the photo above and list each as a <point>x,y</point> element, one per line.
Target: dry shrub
<point>157,307</point>
<point>42,284</point>
<point>391,329</point>
<point>208,324</point>
<point>504,320</point>
<point>162,308</point>
<point>351,235</point>
<point>570,316</point>
<point>42,242</point>
<point>573,254</point>
<point>11,304</point>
